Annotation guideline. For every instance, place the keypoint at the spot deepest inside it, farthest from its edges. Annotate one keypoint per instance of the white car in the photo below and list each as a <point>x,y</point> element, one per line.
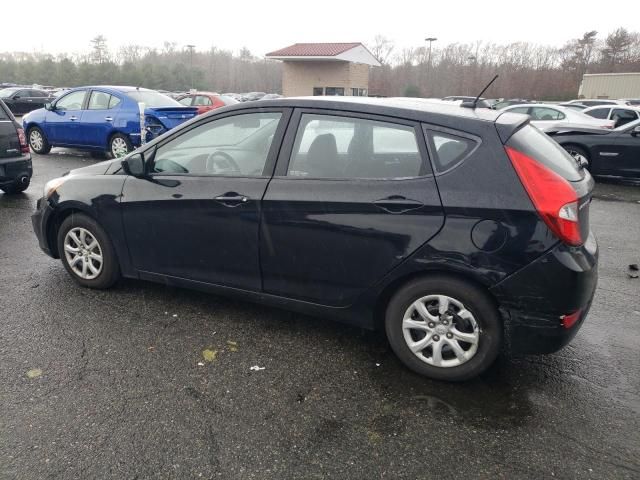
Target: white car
<point>619,114</point>
<point>549,115</point>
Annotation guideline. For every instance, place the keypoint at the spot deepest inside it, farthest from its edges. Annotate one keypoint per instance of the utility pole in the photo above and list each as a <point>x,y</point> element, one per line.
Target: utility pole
<point>430,40</point>
<point>191,47</point>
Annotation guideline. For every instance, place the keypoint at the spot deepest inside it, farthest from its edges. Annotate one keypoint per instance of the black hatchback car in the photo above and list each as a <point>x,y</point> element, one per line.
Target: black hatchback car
<point>461,232</point>
<point>15,159</point>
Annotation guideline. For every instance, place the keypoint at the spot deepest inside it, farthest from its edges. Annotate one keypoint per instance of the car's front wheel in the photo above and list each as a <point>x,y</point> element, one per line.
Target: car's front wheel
<point>119,145</point>
<point>444,328</point>
<point>38,141</point>
<point>87,252</point>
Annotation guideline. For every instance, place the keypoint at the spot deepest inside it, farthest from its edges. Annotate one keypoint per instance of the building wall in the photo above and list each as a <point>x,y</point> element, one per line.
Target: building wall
<point>610,85</point>
<point>299,78</point>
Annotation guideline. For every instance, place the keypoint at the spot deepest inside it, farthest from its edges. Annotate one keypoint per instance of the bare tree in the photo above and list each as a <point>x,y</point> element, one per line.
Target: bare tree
<point>381,48</point>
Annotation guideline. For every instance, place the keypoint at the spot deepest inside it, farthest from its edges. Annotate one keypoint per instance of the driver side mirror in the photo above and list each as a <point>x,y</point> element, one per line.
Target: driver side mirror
<point>49,106</point>
<point>636,131</point>
<point>134,165</point>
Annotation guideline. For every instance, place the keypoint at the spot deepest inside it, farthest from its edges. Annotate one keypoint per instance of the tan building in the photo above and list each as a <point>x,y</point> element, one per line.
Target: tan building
<point>325,69</point>
<point>610,85</point>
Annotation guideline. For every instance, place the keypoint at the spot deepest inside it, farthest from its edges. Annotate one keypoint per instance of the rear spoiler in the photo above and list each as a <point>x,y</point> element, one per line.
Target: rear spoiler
<point>509,123</point>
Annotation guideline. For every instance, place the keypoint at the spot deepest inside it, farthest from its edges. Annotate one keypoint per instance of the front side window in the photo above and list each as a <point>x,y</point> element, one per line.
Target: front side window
<point>72,101</point>
<point>344,147</point>
<point>545,114</point>
<point>334,91</point>
<point>234,146</point>
<point>99,100</point>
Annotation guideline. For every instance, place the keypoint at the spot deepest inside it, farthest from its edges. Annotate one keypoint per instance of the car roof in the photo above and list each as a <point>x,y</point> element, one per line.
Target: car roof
<point>115,88</point>
<point>438,112</point>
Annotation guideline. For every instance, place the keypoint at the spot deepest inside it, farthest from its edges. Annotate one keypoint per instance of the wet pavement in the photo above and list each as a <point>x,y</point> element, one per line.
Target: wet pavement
<point>121,388</point>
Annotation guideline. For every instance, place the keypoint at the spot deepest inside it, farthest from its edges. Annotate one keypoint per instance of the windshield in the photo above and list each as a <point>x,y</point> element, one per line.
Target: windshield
<point>7,92</point>
<point>153,99</point>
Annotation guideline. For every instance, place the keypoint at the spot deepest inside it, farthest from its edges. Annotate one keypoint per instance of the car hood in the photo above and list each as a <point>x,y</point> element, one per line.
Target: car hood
<point>172,116</point>
<point>95,169</point>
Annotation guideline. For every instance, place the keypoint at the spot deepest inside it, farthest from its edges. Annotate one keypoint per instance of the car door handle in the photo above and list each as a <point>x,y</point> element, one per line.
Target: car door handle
<point>397,204</point>
<point>73,119</point>
<point>108,119</point>
<point>232,199</point>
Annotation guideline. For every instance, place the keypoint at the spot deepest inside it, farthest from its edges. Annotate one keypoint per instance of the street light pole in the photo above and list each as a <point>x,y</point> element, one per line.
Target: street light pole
<point>191,47</point>
<point>430,40</point>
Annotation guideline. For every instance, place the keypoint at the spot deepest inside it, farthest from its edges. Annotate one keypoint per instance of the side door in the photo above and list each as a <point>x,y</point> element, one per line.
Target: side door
<point>352,197</point>
<point>21,100</point>
<point>63,122</point>
<point>196,215</point>
<point>98,119</point>
<point>627,162</point>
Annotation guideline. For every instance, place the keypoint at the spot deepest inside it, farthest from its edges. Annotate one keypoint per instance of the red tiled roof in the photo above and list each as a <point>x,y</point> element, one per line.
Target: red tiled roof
<point>313,50</point>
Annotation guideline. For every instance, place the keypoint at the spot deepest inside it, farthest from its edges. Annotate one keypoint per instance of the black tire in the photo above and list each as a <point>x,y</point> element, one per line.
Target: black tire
<point>574,149</point>
<point>40,149</point>
<point>16,187</point>
<point>110,271</point>
<point>118,137</point>
<point>474,299</point>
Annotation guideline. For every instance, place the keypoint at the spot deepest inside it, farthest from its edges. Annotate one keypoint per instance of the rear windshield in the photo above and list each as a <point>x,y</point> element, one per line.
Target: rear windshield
<point>537,145</point>
<point>153,99</point>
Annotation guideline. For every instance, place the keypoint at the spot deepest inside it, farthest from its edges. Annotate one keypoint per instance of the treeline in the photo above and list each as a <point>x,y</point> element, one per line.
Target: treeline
<point>168,68</point>
<point>526,70</point>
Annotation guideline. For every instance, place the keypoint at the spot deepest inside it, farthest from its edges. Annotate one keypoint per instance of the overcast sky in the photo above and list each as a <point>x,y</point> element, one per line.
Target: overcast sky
<point>262,26</point>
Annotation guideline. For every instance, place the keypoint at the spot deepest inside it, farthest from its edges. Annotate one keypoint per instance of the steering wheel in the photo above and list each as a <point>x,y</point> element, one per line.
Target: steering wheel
<point>220,162</point>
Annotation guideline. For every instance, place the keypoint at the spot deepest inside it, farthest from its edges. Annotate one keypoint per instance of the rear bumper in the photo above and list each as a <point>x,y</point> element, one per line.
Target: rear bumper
<point>534,300</point>
<point>40,220</point>
<point>13,168</point>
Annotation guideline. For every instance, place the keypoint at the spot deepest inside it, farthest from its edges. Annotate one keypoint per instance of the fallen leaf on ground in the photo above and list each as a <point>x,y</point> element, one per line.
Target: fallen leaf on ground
<point>34,373</point>
<point>209,355</point>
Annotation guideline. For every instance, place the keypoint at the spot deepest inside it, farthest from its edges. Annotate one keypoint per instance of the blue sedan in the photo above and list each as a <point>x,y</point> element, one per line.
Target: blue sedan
<point>103,119</point>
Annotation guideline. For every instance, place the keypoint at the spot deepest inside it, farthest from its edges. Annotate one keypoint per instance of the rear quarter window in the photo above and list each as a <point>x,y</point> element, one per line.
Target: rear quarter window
<point>3,113</point>
<point>449,150</point>
<point>537,145</point>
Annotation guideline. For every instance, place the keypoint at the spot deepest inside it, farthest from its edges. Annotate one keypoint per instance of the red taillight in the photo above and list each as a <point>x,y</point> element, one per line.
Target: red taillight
<point>568,321</point>
<point>554,198</point>
<point>24,146</point>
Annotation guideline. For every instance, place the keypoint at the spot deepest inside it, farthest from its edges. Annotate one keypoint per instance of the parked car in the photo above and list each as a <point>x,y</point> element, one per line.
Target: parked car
<point>575,106</point>
<point>331,208</point>
<point>23,100</point>
<point>252,96</point>
<point>610,153</point>
<point>102,119</point>
<point>15,160</point>
<point>619,114</point>
<point>592,102</point>
<point>634,102</point>
<point>549,115</point>
<point>499,105</point>
<point>271,96</point>
<point>462,98</point>
<point>205,101</point>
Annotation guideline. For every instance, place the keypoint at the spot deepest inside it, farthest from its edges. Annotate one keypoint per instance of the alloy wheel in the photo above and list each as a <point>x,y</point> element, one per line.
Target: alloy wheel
<point>119,147</point>
<point>35,140</point>
<point>440,331</point>
<point>83,253</point>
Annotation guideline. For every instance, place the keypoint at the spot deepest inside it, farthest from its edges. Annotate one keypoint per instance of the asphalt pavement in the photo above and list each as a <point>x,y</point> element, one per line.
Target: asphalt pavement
<point>147,381</point>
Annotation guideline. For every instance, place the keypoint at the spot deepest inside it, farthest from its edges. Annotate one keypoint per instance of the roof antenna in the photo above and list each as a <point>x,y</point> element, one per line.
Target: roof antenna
<point>475,102</point>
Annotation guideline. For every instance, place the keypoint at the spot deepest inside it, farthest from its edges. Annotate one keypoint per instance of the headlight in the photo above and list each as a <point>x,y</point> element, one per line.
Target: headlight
<point>52,185</point>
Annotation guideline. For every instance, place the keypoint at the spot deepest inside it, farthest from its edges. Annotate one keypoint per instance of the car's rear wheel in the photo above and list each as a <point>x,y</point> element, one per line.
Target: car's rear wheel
<point>119,145</point>
<point>87,252</point>
<point>579,154</point>
<point>38,141</point>
<point>444,328</point>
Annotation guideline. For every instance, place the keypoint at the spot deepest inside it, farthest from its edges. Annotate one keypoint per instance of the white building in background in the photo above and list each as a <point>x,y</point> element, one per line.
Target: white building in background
<point>610,85</point>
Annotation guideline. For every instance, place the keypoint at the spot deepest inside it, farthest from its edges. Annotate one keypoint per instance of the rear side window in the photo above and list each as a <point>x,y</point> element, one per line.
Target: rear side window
<point>537,145</point>
<point>544,113</point>
<point>448,150</point>
<point>598,113</point>
<point>329,146</point>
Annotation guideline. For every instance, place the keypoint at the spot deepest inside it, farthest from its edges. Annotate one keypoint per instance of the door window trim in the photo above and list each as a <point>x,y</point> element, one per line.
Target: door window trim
<point>272,155</point>
<point>284,158</point>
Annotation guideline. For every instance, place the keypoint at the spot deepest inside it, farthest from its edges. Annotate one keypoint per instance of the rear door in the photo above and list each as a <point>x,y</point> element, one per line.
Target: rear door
<point>98,119</point>
<point>352,197</point>
<point>9,143</point>
<point>627,163</point>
